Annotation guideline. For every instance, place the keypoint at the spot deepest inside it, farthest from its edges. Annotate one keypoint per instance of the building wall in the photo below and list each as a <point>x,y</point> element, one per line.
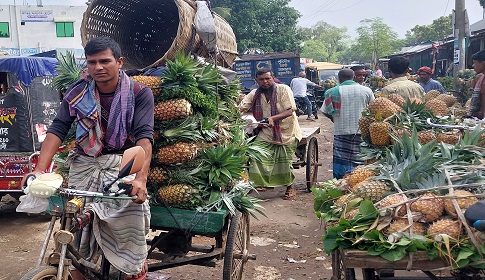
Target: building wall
<point>33,29</point>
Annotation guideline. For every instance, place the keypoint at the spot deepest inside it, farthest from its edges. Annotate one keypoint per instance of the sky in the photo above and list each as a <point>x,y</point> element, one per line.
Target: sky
<point>401,16</point>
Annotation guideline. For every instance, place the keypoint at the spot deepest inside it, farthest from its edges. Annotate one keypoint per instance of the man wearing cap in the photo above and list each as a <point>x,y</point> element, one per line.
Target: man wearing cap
<point>427,82</point>
<point>398,68</point>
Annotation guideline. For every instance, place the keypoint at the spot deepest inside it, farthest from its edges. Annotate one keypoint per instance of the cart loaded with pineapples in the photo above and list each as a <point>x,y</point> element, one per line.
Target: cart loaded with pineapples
<point>197,183</point>
<point>403,208</point>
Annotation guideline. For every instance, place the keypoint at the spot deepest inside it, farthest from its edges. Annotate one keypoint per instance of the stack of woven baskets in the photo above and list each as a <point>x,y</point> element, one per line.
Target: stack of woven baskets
<point>152,31</point>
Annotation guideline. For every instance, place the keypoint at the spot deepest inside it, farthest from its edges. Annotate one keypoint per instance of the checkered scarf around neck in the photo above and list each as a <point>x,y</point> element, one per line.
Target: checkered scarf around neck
<point>332,101</point>
<point>258,111</point>
<point>84,102</point>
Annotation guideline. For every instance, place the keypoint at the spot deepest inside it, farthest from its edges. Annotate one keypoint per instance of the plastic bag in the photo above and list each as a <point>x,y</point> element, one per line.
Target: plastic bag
<point>32,204</point>
<point>205,26</point>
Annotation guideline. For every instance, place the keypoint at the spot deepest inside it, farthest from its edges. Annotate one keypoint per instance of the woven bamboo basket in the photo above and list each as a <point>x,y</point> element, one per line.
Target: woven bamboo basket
<point>152,31</point>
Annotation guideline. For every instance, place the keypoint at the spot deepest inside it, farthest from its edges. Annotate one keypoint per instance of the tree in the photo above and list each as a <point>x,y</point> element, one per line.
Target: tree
<point>482,3</point>
<point>270,25</point>
<point>440,29</point>
<point>376,39</point>
<point>325,41</point>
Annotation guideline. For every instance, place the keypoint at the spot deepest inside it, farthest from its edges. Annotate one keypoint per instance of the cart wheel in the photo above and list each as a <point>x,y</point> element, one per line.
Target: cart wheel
<point>237,243</point>
<point>311,163</point>
<point>41,273</point>
<point>339,272</point>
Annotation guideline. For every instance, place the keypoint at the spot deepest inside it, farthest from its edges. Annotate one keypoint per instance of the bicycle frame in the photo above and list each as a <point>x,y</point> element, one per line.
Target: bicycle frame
<point>64,255</point>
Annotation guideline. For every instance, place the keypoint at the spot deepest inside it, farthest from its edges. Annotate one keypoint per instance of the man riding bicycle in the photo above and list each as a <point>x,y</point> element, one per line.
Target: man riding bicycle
<point>113,113</point>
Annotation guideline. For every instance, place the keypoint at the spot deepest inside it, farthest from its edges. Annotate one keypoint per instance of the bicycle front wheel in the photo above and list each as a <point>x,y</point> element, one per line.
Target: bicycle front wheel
<point>41,273</point>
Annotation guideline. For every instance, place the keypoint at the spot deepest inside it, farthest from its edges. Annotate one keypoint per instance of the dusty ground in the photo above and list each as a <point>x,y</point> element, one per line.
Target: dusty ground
<point>287,243</point>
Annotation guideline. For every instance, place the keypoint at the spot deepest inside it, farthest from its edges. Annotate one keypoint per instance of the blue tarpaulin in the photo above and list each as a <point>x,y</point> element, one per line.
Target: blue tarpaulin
<point>27,68</point>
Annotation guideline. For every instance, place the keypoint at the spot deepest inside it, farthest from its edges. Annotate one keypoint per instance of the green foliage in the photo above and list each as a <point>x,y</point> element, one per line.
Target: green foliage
<point>440,29</point>
<point>447,82</point>
<point>220,166</point>
<point>376,39</point>
<point>324,201</point>
<point>325,42</point>
<point>269,25</point>
<point>68,71</point>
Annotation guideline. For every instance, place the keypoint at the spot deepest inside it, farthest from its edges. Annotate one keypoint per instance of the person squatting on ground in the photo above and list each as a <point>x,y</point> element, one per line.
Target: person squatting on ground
<point>279,137</point>
<point>398,68</point>
<point>299,86</point>
<point>113,113</point>
<point>477,103</point>
<point>426,82</point>
<point>344,104</point>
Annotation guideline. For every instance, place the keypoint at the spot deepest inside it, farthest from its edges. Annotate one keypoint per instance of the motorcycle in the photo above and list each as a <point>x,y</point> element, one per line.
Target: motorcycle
<point>301,106</point>
<point>73,218</point>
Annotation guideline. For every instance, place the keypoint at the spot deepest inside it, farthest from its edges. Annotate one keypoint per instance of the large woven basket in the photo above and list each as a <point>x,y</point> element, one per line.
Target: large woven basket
<point>152,31</point>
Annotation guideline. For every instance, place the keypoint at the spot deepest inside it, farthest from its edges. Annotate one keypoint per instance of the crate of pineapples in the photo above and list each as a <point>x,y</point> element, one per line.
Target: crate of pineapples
<point>410,194</point>
<point>200,150</point>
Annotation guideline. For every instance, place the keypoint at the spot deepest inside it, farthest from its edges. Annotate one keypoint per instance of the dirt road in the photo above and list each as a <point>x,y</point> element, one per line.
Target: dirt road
<point>287,243</point>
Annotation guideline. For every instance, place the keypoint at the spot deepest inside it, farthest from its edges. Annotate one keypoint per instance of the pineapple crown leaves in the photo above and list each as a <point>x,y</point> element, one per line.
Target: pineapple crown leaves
<point>69,71</point>
<point>188,130</point>
<point>180,72</point>
<point>236,199</point>
<point>461,155</point>
<point>207,78</point>
<point>471,138</point>
<point>431,181</point>
<point>221,165</point>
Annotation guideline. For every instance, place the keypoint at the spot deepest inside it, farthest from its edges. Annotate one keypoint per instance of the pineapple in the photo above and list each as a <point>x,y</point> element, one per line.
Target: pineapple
<point>432,94</point>
<point>430,207</point>
<point>438,107</point>
<point>383,107</point>
<point>468,102</point>
<point>178,195</point>
<point>426,136</point>
<point>445,226</point>
<point>396,99</point>
<point>415,100</point>
<point>156,175</point>
<point>177,153</point>
<point>402,225</point>
<point>359,174</point>
<point>379,133</point>
<point>172,110</point>
<point>464,202</point>
<point>394,199</point>
<point>448,138</point>
<point>349,215</point>
<point>153,82</point>
<point>447,98</point>
<point>371,189</point>
<point>343,200</point>
<point>399,133</point>
<point>364,123</point>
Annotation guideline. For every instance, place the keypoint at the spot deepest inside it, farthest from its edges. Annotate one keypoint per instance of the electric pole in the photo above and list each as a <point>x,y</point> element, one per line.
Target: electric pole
<point>459,42</point>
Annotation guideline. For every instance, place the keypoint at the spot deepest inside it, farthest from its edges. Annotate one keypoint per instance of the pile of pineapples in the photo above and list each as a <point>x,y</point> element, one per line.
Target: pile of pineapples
<point>415,175</point>
<point>390,116</point>
<point>199,146</point>
<point>376,83</point>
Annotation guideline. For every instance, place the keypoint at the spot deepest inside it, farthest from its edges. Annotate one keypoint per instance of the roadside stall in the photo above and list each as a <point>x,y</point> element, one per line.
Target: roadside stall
<point>404,208</point>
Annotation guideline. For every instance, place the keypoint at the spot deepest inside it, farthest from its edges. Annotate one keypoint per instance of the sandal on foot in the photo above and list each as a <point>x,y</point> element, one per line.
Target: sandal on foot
<point>141,276</point>
<point>290,194</point>
<point>261,189</point>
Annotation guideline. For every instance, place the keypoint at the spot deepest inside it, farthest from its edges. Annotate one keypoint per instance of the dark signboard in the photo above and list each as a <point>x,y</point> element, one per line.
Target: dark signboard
<point>284,67</point>
<point>14,136</point>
